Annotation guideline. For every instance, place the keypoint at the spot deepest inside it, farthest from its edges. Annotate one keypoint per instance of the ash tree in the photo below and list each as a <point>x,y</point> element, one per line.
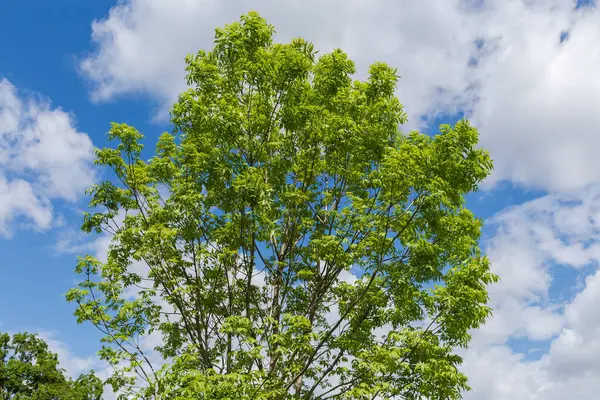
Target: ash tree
<point>29,371</point>
<point>295,243</point>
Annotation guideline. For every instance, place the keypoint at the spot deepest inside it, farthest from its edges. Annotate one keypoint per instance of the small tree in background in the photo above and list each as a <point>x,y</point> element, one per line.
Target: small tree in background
<point>297,244</point>
<point>28,370</point>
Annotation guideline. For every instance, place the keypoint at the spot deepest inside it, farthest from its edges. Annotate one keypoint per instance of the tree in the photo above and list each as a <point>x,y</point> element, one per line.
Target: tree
<point>28,370</point>
<point>296,243</point>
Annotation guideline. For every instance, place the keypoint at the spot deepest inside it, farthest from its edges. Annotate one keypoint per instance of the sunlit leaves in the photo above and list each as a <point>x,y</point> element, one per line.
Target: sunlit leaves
<point>236,241</point>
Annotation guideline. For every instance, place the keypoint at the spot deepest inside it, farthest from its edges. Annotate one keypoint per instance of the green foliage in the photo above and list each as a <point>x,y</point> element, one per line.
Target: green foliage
<point>281,176</point>
<point>28,370</point>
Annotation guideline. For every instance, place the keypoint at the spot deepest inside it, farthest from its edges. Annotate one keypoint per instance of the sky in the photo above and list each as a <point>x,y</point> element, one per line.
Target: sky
<point>526,73</point>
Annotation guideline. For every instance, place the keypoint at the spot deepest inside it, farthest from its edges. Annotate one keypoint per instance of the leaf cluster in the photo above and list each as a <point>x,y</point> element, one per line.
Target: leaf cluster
<point>293,242</point>
<point>28,370</point>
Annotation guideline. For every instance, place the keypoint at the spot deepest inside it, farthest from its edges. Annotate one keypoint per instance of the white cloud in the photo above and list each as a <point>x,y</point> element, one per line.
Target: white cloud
<point>537,96</point>
<point>568,371</point>
<point>141,45</point>
<point>532,98</point>
<point>73,364</point>
<point>18,198</point>
<point>42,158</point>
<point>562,231</point>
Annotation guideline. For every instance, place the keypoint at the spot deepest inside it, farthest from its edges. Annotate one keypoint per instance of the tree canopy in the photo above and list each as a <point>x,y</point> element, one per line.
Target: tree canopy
<point>28,370</point>
<point>294,242</point>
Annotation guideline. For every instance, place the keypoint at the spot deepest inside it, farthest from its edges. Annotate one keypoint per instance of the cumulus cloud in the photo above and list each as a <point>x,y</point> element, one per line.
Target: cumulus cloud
<point>537,95</point>
<point>502,63</point>
<point>43,157</point>
<point>555,231</point>
<point>73,364</point>
<point>567,371</point>
<point>141,45</point>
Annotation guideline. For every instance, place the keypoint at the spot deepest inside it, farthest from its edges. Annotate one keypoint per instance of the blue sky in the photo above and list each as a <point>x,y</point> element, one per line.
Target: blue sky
<point>69,68</point>
<point>43,43</point>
